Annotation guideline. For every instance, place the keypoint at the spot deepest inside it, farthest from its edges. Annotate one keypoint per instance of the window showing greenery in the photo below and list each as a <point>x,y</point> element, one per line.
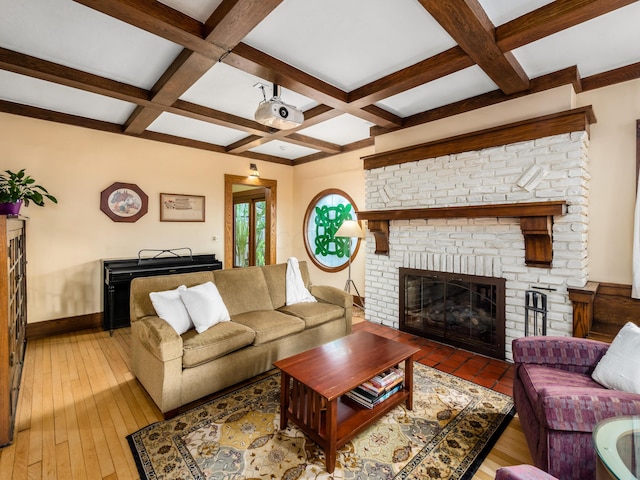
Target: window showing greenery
<point>325,214</point>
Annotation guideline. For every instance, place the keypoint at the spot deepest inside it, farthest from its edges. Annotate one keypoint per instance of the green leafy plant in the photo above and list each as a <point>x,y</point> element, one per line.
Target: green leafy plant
<point>20,186</point>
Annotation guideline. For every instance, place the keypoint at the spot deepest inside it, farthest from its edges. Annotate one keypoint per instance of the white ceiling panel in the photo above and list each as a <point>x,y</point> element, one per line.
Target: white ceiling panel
<point>503,11</point>
<point>51,96</point>
<point>278,148</point>
<point>341,130</point>
<point>230,90</point>
<point>596,46</point>
<point>73,35</point>
<point>195,129</point>
<point>201,10</point>
<point>466,83</point>
<point>350,43</point>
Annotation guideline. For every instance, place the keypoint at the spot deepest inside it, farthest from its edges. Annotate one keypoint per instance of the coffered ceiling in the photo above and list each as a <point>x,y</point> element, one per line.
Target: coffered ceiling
<point>184,71</point>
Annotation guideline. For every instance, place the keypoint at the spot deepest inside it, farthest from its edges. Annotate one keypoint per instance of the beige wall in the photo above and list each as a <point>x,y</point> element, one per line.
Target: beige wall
<point>66,241</point>
<point>612,152</point>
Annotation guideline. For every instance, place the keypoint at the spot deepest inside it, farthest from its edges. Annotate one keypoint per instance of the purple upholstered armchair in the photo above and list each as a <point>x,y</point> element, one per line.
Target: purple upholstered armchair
<point>522,472</point>
<point>559,403</point>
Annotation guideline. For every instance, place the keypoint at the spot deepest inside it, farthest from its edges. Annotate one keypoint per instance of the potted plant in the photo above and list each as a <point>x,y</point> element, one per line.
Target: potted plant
<point>19,188</point>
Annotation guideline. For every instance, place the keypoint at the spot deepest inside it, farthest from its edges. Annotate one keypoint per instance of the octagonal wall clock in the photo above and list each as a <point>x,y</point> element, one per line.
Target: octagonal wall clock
<point>323,217</point>
<point>124,202</point>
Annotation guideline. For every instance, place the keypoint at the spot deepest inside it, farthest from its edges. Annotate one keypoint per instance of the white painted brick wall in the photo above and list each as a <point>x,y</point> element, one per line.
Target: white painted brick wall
<point>483,246</point>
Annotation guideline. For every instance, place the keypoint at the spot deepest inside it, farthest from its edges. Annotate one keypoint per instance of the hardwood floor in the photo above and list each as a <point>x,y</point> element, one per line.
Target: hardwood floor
<point>79,400</point>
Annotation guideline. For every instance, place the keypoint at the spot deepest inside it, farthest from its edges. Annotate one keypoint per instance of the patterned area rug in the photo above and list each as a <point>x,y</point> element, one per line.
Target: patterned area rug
<point>452,427</point>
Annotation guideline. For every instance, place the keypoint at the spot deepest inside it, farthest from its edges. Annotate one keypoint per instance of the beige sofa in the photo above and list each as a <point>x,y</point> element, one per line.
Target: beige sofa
<point>178,369</point>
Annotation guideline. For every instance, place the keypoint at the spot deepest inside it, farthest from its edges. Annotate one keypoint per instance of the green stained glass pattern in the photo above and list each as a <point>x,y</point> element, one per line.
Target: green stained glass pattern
<point>327,216</point>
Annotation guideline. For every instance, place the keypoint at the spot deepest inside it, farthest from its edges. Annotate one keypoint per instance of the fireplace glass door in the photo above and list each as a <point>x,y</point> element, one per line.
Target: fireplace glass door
<point>460,310</point>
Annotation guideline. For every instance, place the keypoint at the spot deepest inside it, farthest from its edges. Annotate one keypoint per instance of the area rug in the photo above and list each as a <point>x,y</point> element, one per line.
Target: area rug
<point>452,427</point>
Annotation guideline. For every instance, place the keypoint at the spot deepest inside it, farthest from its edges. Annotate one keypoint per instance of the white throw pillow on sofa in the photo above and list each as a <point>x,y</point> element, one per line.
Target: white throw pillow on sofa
<point>619,368</point>
<point>169,307</point>
<point>205,306</point>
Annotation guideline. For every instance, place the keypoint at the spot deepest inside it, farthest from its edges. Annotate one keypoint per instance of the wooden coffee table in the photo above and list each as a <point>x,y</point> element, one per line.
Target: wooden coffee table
<point>313,381</point>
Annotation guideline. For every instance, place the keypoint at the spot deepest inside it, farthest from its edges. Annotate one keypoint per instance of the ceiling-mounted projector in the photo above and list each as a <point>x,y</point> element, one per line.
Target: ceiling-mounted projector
<point>277,114</point>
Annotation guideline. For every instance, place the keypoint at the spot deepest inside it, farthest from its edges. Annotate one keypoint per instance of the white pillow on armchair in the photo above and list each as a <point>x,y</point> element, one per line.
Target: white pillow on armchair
<point>619,368</point>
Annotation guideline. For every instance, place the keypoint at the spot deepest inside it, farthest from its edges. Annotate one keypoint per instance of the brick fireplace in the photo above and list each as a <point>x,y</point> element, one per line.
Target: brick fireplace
<point>552,168</point>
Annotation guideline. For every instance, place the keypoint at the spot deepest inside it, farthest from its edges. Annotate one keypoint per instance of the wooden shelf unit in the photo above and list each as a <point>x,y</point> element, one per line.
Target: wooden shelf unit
<point>13,319</point>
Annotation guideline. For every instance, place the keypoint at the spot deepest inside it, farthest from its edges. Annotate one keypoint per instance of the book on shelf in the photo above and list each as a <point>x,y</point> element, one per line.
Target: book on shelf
<point>371,388</point>
<point>371,401</point>
<point>378,388</point>
<point>387,377</point>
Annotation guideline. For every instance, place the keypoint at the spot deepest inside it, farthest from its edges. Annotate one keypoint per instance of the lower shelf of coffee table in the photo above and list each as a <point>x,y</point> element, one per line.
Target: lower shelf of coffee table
<point>352,418</point>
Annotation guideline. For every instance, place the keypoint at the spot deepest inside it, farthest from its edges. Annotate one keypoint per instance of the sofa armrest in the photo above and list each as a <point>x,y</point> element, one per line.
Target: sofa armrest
<point>328,294</point>
<point>567,353</point>
<point>158,337</point>
<point>579,410</point>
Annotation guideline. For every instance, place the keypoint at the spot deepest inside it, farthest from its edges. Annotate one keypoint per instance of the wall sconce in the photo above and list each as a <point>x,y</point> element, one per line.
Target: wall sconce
<point>253,171</point>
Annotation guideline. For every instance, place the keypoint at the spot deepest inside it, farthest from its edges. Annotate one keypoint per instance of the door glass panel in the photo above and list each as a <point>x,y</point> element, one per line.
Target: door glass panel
<point>260,227</point>
<point>241,235</point>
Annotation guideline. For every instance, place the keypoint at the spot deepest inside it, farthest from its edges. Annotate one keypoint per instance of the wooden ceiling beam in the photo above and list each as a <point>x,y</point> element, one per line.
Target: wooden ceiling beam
<point>266,158</point>
<point>566,76</point>
<point>232,20</point>
<point>223,27</point>
<point>160,20</point>
<point>58,117</point>
<point>440,65</point>
<point>247,143</point>
<point>611,77</point>
<point>182,141</point>
<point>470,27</point>
<point>216,117</point>
<point>70,77</point>
<point>185,70</point>
<point>62,75</point>
<point>315,143</point>
<point>552,18</point>
<point>255,62</point>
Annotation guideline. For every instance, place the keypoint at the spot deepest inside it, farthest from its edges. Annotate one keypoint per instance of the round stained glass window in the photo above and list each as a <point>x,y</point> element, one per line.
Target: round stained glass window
<point>325,214</point>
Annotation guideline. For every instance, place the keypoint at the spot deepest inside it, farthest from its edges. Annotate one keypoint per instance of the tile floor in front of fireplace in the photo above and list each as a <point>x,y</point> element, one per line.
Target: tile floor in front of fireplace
<point>485,371</point>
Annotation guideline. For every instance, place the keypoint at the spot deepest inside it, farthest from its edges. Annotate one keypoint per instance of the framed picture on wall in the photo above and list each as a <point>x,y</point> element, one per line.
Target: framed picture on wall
<point>175,207</point>
<point>123,202</point>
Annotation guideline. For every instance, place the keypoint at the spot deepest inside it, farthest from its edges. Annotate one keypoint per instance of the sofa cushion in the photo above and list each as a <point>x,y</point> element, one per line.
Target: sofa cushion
<point>542,384</point>
<point>275,275</point>
<point>243,290</point>
<point>269,325</point>
<point>219,340</point>
<point>620,367</point>
<point>314,314</point>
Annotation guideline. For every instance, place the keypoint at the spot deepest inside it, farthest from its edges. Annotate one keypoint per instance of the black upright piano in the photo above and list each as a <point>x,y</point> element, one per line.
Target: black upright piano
<point>117,276</point>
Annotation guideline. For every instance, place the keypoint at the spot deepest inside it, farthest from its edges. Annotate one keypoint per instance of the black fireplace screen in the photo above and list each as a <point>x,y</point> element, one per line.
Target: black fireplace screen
<point>461,310</point>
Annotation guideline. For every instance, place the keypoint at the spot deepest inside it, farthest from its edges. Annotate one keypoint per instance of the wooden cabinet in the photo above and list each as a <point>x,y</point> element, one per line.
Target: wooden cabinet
<point>13,319</point>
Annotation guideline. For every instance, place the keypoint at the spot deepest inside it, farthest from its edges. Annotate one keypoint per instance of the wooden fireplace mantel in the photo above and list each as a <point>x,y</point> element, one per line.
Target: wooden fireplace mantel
<point>536,223</point>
